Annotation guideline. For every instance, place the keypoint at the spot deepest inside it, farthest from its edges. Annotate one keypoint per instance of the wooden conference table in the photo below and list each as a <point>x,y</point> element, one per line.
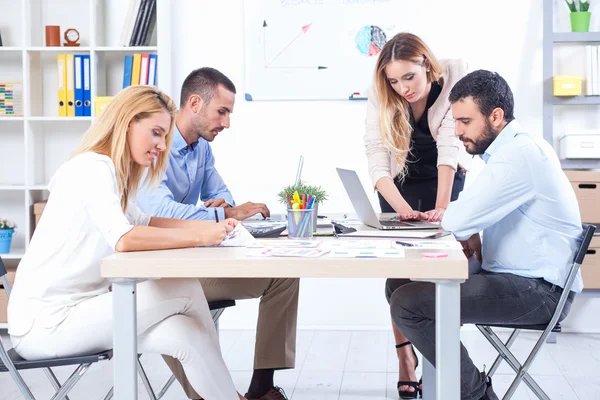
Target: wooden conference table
<point>126,269</point>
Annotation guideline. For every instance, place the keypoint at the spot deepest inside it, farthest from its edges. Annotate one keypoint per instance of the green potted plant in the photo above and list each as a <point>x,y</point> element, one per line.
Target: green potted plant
<point>7,228</point>
<point>317,192</point>
<point>580,16</point>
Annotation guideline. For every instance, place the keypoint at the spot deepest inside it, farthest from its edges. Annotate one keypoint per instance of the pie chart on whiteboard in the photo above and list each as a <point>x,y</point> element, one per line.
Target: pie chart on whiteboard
<point>370,40</point>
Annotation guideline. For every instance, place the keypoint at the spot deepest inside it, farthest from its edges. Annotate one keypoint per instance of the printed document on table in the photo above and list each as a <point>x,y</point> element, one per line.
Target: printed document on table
<point>358,253</point>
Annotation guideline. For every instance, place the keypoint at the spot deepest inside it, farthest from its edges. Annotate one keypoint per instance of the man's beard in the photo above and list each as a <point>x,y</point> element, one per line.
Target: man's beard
<point>483,142</point>
<point>204,132</point>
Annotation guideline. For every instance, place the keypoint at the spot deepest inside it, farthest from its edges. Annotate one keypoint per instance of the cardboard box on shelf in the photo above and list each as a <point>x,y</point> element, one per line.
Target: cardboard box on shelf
<point>587,189</point>
<point>590,269</point>
<point>38,208</point>
<point>3,297</point>
<point>3,305</point>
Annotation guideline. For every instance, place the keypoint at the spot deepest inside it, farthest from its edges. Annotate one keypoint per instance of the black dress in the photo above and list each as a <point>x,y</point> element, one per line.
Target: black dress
<point>419,187</point>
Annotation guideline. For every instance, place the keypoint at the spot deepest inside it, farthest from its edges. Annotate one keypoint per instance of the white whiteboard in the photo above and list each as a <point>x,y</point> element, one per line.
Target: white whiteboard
<point>315,49</point>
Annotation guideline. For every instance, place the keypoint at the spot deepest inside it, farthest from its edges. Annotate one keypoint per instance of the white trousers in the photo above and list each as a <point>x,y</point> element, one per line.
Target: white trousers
<point>172,318</point>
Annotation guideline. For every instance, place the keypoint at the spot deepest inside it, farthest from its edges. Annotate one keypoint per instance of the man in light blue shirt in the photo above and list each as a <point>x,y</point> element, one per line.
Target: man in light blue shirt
<point>528,212</point>
<point>191,175</point>
<point>207,100</point>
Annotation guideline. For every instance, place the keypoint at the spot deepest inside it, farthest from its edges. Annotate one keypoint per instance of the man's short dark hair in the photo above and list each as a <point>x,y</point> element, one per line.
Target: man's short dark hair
<point>488,90</point>
<point>204,82</point>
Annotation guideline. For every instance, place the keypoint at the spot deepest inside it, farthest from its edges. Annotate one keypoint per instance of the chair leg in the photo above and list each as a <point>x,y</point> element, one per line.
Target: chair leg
<point>166,387</point>
<point>53,380</point>
<point>71,381</point>
<point>535,388</point>
<point>17,378</point>
<point>552,338</point>
<point>216,314</point>
<point>522,374</point>
<point>110,394</point>
<point>508,344</point>
<point>145,380</point>
<point>515,365</point>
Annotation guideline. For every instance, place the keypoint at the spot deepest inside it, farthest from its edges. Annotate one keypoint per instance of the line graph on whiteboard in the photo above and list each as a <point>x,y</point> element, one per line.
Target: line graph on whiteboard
<point>313,49</point>
<point>269,64</point>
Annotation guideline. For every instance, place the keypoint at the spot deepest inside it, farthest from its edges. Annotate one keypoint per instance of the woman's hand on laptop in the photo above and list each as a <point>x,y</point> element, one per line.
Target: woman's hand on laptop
<point>413,215</point>
<point>436,214</point>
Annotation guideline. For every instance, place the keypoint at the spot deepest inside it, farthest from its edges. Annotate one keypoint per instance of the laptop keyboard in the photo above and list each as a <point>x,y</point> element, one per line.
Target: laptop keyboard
<point>395,223</point>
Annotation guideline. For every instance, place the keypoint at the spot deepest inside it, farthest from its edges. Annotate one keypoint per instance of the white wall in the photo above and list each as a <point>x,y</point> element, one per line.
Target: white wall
<point>258,155</point>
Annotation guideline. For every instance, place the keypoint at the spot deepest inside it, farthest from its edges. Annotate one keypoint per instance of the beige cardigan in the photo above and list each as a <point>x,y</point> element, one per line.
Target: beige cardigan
<point>451,151</point>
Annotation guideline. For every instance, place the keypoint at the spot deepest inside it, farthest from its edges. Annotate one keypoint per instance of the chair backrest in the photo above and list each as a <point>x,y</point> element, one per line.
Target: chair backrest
<point>4,358</point>
<point>3,270</point>
<point>586,238</point>
<point>588,234</point>
<point>4,277</point>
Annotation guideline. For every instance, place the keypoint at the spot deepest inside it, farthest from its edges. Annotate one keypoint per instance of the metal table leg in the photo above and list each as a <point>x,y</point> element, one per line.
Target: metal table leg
<point>125,339</point>
<point>447,339</point>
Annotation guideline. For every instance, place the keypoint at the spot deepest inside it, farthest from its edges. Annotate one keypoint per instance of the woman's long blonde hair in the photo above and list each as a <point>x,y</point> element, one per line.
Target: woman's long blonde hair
<point>108,136</point>
<point>394,114</point>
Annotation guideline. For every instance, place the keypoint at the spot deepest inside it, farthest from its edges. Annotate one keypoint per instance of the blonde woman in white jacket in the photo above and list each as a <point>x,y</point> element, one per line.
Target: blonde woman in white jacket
<point>416,163</point>
<point>61,306</point>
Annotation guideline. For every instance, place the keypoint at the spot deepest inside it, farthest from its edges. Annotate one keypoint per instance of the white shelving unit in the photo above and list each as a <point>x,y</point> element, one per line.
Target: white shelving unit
<point>36,144</point>
<point>550,39</point>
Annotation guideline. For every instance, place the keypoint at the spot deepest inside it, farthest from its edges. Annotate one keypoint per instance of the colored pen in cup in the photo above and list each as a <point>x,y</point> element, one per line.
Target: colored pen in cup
<point>405,244</point>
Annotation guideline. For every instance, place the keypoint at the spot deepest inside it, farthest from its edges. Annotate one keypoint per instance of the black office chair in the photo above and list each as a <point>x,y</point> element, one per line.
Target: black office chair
<point>11,362</point>
<point>553,326</point>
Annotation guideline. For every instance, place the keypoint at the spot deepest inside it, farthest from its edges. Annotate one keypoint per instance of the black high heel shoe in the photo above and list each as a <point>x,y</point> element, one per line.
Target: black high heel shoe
<point>407,394</point>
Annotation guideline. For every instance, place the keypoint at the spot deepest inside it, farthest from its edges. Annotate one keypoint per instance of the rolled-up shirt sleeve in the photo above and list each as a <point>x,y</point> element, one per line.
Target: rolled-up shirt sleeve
<point>501,187</point>
<point>136,216</point>
<point>448,144</point>
<point>378,156</point>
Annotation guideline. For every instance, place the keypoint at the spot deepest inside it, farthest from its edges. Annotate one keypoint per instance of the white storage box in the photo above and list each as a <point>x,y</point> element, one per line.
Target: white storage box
<point>580,146</point>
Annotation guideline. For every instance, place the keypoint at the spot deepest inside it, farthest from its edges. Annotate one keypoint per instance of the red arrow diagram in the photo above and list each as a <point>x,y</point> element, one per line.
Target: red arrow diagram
<point>305,29</point>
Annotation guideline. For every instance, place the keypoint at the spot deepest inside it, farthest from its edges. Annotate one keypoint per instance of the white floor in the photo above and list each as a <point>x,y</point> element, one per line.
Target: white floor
<point>354,365</point>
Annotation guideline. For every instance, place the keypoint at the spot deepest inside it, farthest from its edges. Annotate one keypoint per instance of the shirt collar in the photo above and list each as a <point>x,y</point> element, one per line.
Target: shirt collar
<point>180,144</point>
<point>510,131</point>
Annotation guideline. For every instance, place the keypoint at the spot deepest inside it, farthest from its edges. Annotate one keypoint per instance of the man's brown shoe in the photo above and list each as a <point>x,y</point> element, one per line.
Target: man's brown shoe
<point>276,393</point>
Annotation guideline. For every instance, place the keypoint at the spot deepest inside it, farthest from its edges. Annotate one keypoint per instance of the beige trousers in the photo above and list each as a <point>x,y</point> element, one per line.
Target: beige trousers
<point>276,328</point>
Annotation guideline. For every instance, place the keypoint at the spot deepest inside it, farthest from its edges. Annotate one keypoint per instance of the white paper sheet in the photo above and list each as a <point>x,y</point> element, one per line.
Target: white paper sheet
<point>367,253</point>
<point>286,243</point>
<point>238,237</point>
<point>290,252</point>
<point>391,234</point>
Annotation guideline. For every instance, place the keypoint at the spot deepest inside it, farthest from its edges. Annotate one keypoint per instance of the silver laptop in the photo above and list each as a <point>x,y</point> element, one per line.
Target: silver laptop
<point>365,211</point>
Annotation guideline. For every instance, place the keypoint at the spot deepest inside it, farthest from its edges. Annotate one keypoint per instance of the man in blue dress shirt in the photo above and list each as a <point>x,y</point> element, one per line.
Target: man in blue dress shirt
<point>528,212</point>
<point>193,189</point>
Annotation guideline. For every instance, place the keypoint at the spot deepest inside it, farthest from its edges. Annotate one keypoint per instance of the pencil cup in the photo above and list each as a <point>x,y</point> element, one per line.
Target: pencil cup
<point>300,224</point>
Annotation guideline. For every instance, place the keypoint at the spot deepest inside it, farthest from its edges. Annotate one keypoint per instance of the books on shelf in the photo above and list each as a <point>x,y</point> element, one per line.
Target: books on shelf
<point>11,98</point>
<point>140,23</point>
<point>74,94</point>
<point>140,69</point>
<point>592,70</point>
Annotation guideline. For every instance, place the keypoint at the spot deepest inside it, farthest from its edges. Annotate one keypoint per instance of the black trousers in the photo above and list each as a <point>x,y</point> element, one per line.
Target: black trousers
<point>421,194</point>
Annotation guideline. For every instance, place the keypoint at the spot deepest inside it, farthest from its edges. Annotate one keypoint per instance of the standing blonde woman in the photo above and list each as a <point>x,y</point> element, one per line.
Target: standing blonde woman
<point>415,160</point>
<point>61,306</point>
